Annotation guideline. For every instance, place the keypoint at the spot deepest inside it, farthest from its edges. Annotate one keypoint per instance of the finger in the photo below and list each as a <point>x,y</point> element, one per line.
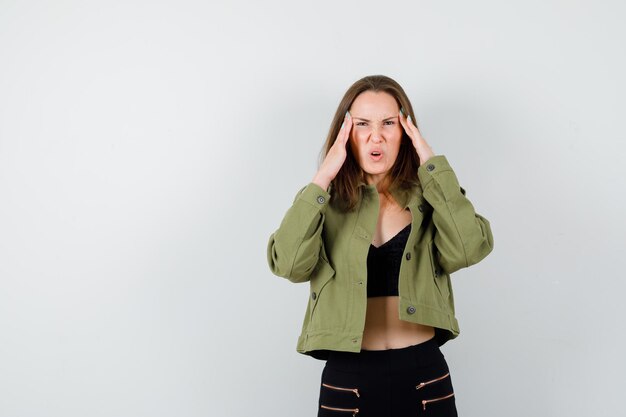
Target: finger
<point>347,126</point>
<point>412,129</point>
<point>343,124</point>
<point>339,138</point>
<point>405,124</point>
<point>410,122</point>
<point>348,129</point>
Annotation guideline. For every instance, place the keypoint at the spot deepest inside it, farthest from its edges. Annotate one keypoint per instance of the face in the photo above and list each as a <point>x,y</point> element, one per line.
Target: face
<point>376,133</point>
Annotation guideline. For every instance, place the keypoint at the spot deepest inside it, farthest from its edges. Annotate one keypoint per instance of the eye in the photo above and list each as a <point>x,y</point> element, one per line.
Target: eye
<point>391,122</point>
<point>360,123</point>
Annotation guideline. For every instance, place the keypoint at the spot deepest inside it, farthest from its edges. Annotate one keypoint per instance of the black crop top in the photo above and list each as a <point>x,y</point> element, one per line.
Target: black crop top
<point>383,265</point>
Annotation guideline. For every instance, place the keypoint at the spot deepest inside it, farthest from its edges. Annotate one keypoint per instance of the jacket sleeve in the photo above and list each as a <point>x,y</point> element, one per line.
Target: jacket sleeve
<point>294,248</point>
<point>462,236</point>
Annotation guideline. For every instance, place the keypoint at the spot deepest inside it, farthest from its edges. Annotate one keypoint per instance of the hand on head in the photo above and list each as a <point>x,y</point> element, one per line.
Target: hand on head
<point>336,155</point>
<point>423,149</point>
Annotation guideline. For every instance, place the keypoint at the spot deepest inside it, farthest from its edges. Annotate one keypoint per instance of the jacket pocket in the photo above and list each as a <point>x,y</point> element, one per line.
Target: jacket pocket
<point>443,379</point>
<point>432,381</point>
<point>322,276</point>
<point>340,410</point>
<point>435,400</point>
<point>339,395</point>
<point>336,388</point>
<point>439,276</point>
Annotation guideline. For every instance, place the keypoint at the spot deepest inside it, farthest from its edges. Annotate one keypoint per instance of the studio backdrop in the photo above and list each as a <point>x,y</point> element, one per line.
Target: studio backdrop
<point>149,149</point>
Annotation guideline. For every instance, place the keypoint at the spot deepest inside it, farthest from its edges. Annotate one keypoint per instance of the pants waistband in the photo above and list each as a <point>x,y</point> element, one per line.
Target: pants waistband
<point>388,360</point>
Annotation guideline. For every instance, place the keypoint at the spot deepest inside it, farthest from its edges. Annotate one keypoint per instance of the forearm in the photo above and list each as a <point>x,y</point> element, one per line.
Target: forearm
<point>462,236</point>
<point>293,249</point>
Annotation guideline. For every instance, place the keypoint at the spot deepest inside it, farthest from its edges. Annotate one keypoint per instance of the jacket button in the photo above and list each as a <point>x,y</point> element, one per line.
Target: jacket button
<point>410,309</point>
<point>421,207</point>
<point>430,167</point>
<point>314,296</point>
<point>320,199</point>
<point>408,256</point>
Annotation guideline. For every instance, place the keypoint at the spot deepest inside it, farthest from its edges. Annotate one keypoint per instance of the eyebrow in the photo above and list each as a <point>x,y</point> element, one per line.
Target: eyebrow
<point>360,118</point>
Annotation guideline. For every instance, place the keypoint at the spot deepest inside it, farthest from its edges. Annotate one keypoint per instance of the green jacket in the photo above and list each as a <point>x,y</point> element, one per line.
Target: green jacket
<point>316,242</point>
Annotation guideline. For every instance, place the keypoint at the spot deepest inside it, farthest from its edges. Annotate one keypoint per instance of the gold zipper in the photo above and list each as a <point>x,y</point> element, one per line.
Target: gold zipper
<point>422,384</point>
<point>354,411</point>
<point>355,390</point>
<point>424,402</point>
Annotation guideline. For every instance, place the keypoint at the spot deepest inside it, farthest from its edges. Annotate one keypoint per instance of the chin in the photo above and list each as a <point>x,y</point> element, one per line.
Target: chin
<point>375,171</point>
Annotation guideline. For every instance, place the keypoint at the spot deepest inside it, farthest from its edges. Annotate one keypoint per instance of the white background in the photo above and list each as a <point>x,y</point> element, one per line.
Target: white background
<point>149,149</point>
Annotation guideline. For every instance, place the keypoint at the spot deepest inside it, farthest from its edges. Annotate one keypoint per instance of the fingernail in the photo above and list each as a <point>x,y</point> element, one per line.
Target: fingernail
<point>342,123</point>
<point>401,112</point>
<point>409,117</point>
<point>348,114</point>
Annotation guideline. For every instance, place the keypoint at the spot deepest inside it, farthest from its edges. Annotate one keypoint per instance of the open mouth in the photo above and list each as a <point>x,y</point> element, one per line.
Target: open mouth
<point>376,155</point>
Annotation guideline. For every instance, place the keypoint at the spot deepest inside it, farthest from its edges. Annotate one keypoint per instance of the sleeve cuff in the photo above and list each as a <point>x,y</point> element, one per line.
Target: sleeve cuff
<point>315,196</point>
<point>434,165</point>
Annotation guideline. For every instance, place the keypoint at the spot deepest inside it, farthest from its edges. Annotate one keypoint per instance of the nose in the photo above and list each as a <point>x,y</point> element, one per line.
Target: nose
<point>376,136</point>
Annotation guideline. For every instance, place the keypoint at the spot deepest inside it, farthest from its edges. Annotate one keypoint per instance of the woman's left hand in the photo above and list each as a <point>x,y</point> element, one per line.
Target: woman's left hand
<point>424,151</point>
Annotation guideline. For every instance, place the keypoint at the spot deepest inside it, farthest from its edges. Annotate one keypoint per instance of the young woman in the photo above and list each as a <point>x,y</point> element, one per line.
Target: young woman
<point>377,233</point>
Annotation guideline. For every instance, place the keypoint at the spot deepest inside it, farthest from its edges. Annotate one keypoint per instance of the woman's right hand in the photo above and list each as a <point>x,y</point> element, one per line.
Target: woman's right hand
<point>335,157</point>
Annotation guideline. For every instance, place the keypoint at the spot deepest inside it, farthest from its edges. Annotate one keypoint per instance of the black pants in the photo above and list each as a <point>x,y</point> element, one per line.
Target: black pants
<point>406,382</point>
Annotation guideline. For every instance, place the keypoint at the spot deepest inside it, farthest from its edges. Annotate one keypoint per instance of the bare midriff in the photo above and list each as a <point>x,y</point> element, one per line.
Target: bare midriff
<point>384,329</point>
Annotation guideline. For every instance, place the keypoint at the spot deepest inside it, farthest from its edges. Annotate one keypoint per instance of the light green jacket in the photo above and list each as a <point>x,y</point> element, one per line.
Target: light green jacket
<point>318,243</point>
